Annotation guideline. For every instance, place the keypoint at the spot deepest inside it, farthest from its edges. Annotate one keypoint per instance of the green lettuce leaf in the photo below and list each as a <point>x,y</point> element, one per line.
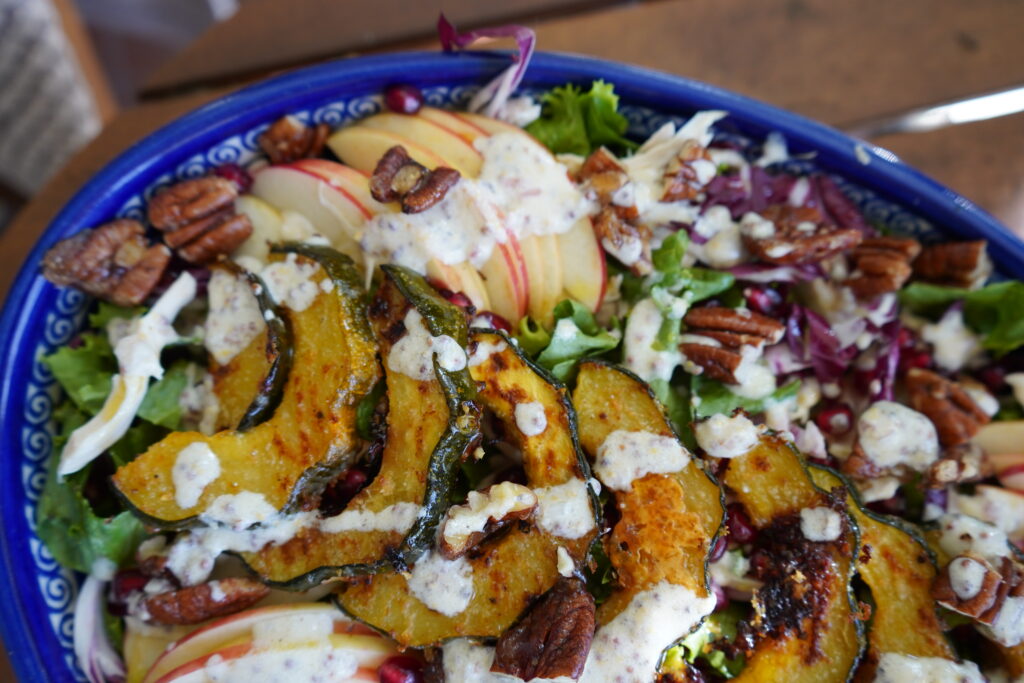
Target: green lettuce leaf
<point>84,372</point>
<point>135,442</point>
<point>532,337</point>
<point>577,335</point>
<point>720,625</point>
<point>578,123</point>
<point>710,397</point>
<point>106,312</point>
<point>367,407</point>
<point>994,311</point>
<point>677,406</point>
<point>65,521</point>
<point>161,404</point>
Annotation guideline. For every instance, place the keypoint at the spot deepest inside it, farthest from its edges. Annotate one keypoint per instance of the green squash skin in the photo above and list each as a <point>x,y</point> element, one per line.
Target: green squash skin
<point>463,429</point>
<point>280,347</point>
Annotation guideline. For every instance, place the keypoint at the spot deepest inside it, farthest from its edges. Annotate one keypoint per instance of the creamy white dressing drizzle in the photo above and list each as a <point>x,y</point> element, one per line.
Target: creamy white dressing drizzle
<point>565,510</point>
<point>625,456</point>
<point>530,418</point>
<point>892,434</point>
<point>413,354</point>
<point>897,668</point>
<point>445,586</point>
<point>195,467</point>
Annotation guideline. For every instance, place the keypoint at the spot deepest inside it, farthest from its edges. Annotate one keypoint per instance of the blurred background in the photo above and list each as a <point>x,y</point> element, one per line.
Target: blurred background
<point>80,80</point>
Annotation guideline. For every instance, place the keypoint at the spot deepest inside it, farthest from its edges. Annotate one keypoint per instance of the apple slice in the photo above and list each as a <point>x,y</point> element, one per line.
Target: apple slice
<point>274,663</point>
<point>145,643</point>
<point>461,277</point>
<point>456,152</point>
<point>584,271</point>
<point>266,227</point>
<point>216,635</point>
<point>461,127</point>
<point>490,125</point>
<point>335,214</point>
<point>506,281</point>
<point>361,147</point>
<point>347,179</point>
<point>543,275</point>
<point>1002,437</point>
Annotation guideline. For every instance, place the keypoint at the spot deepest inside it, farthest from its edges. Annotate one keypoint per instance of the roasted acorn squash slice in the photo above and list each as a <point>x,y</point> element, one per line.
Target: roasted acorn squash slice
<point>431,424</point>
<point>312,432</point>
<point>250,386</point>
<point>898,567</point>
<point>510,570</point>
<point>668,521</point>
<point>825,645</point>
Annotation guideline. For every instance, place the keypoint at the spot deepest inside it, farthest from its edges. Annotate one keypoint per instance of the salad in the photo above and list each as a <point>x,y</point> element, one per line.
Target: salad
<point>506,394</point>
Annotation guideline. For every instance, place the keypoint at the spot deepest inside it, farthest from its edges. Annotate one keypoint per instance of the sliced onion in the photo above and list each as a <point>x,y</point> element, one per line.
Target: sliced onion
<point>96,656</point>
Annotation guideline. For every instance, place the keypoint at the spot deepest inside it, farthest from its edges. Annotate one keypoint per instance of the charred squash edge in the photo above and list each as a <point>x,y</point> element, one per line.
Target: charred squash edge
<point>463,429</point>
<point>334,264</point>
<point>854,530</point>
<point>853,497</point>
<point>280,347</point>
<point>583,467</point>
<point>700,462</point>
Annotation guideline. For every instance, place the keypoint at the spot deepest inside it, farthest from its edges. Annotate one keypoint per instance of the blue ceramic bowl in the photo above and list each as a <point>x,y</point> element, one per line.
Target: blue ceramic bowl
<point>36,596</point>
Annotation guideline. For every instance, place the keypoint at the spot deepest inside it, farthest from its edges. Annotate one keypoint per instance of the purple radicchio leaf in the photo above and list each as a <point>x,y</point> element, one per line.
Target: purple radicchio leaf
<point>812,340</point>
<point>493,97</point>
<point>96,656</point>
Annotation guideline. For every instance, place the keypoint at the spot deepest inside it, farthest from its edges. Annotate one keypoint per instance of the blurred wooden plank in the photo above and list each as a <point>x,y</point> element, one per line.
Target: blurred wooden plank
<point>983,161</point>
<point>270,34</point>
<point>85,51</point>
<point>839,61</point>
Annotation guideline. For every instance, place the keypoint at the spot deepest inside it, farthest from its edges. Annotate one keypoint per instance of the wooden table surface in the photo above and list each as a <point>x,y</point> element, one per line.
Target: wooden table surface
<point>840,61</point>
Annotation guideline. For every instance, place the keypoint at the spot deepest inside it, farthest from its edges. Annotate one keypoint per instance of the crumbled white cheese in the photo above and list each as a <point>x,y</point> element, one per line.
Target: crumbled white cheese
<point>480,507</point>
<point>625,456</point>
<point>565,510</point>
<point>641,331</point>
<point>138,360</point>
<point>726,437</point>
<point>961,534</point>
<point>466,661</point>
<point>195,467</point>
<point>892,434</point>
<point>984,400</point>
<point>413,354</point>
<point>292,283</point>
<point>234,318</point>
<point>1016,382</point>
<point>484,349</point>
<point>1001,507</point>
<point>820,524</point>
<point>629,647</point>
<point>398,517</point>
<point>753,377</point>
<point>239,510</point>
<point>530,418</point>
<point>798,194</point>
<point>520,111</point>
<point>566,567</point>
<point>881,488</point>
<point>757,226</point>
<point>897,668</point>
<point>811,442</point>
<point>954,344</point>
<point>774,150</point>
<point>445,586</point>
<point>730,571</point>
<point>966,576</point>
<point>628,251</point>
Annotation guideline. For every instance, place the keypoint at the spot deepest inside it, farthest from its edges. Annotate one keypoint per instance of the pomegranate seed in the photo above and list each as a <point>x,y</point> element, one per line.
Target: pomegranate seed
<point>915,359</point>
<point>400,669</point>
<point>718,549</point>
<point>492,320</point>
<point>835,420</point>
<point>905,339</point>
<point>343,489</point>
<point>721,599</point>
<point>994,377</point>
<point>765,301</point>
<point>740,528</point>
<point>890,506</point>
<point>404,99</point>
<point>126,582</point>
<point>236,174</point>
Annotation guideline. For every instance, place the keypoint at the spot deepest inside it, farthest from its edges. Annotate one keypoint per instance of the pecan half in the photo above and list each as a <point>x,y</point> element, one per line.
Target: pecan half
<point>629,242</point>
<point>484,513</point>
<point>687,173</point>
<point>960,464</point>
<point>398,177</point>
<point>954,413</point>
<point>288,139</point>
<point>194,604</point>
<point>198,219</point>
<point>602,175</point>
<point>114,262</point>
<point>715,338</point>
<point>956,264</point>
<point>553,638</point>
<point>881,265</point>
<point>800,236</point>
